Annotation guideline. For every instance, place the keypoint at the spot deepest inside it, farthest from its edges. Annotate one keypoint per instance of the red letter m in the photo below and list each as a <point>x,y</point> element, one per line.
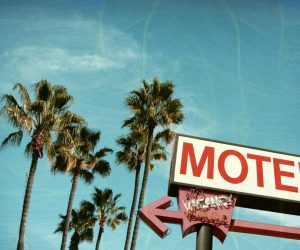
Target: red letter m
<point>207,155</point>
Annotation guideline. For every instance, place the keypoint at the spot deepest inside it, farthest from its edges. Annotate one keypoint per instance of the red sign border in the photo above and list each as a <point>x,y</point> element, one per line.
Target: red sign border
<point>244,200</point>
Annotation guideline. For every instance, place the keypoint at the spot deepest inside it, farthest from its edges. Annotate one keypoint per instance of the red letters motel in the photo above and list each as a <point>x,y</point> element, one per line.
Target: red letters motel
<point>263,179</point>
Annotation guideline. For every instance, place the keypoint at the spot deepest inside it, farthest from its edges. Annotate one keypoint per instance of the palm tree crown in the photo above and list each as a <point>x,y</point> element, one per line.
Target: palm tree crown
<point>48,112</point>
<point>82,230</point>
<point>153,105</point>
<point>74,149</point>
<point>105,211</point>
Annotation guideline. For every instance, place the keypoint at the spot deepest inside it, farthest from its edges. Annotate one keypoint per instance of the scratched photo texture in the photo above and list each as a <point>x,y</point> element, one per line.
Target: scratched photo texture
<point>235,69</point>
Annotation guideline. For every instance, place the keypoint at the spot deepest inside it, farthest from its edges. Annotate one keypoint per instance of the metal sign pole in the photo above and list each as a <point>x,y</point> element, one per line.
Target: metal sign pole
<point>204,238</point>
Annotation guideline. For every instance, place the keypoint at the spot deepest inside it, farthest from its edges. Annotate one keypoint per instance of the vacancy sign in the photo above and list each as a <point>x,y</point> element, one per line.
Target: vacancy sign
<point>263,179</point>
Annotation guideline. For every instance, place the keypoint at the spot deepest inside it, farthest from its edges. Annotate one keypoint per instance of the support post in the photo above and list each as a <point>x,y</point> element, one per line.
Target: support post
<point>204,237</point>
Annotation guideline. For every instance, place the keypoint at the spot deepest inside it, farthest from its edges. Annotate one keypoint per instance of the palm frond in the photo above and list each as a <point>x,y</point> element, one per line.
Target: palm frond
<point>17,117</point>
<point>126,142</point>
<point>159,156</point>
<point>74,242</point>
<point>43,90</point>
<point>28,150</point>
<point>115,221</point>
<point>13,139</point>
<point>37,107</point>
<point>102,167</point>
<point>24,95</point>
<point>116,198</point>
<point>151,166</point>
<point>166,136</point>
<point>10,101</point>
<point>122,216</point>
<point>166,90</point>
<point>61,224</point>
<point>145,84</point>
<point>128,122</point>
<point>90,136</point>
<point>66,119</point>
<point>87,234</point>
<point>127,157</point>
<point>62,100</point>
<point>87,206</point>
<point>103,152</point>
<point>86,175</point>
<point>102,197</point>
<point>49,146</point>
<point>59,165</point>
<point>173,112</point>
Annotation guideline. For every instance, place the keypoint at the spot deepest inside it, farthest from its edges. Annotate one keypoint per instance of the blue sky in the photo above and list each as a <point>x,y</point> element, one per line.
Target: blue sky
<point>235,65</point>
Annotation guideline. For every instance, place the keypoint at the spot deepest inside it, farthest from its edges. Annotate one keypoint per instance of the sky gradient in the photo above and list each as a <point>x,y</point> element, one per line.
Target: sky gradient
<point>235,65</point>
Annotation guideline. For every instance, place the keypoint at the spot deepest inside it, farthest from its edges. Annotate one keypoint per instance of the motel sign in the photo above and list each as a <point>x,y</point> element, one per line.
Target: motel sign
<point>262,179</point>
<point>209,178</point>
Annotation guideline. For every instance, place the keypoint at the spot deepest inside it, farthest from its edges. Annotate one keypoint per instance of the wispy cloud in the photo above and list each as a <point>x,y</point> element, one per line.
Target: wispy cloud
<point>58,59</point>
<point>109,49</point>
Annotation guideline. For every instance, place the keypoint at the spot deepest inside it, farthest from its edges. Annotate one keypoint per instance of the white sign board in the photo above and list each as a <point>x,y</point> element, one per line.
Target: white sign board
<point>234,168</point>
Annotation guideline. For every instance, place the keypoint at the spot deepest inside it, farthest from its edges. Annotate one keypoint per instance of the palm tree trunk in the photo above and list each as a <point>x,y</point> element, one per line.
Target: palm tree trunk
<point>69,210</point>
<point>134,200</point>
<point>143,189</point>
<point>26,202</point>
<point>101,230</point>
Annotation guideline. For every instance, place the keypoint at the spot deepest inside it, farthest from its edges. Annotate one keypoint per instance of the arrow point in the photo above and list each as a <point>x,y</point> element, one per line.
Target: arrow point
<point>154,214</point>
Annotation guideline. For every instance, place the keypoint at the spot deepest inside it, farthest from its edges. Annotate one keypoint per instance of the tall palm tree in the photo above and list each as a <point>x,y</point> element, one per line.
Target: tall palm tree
<point>75,155</point>
<point>133,155</point>
<point>152,106</point>
<point>38,119</point>
<point>105,211</point>
<point>82,230</point>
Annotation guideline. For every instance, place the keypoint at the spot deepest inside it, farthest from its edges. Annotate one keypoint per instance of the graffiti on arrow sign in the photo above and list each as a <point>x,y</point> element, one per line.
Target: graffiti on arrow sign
<point>198,207</point>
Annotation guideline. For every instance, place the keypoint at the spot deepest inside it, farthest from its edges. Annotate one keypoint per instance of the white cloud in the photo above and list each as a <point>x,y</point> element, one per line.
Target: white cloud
<point>108,49</point>
<point>58,59</point>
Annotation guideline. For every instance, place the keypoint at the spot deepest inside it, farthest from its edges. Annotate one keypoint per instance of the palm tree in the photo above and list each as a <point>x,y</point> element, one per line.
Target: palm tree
<point>74,155</point>
<point>82,230</point>
<point>133,155</point>
<point>105,211</point>
<point>152,106</point>
<point>38,119</point>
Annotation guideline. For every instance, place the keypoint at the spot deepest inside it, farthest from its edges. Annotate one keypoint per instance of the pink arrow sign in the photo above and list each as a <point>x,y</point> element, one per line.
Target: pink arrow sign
<point>195,208</point>
<point>198,207</point>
